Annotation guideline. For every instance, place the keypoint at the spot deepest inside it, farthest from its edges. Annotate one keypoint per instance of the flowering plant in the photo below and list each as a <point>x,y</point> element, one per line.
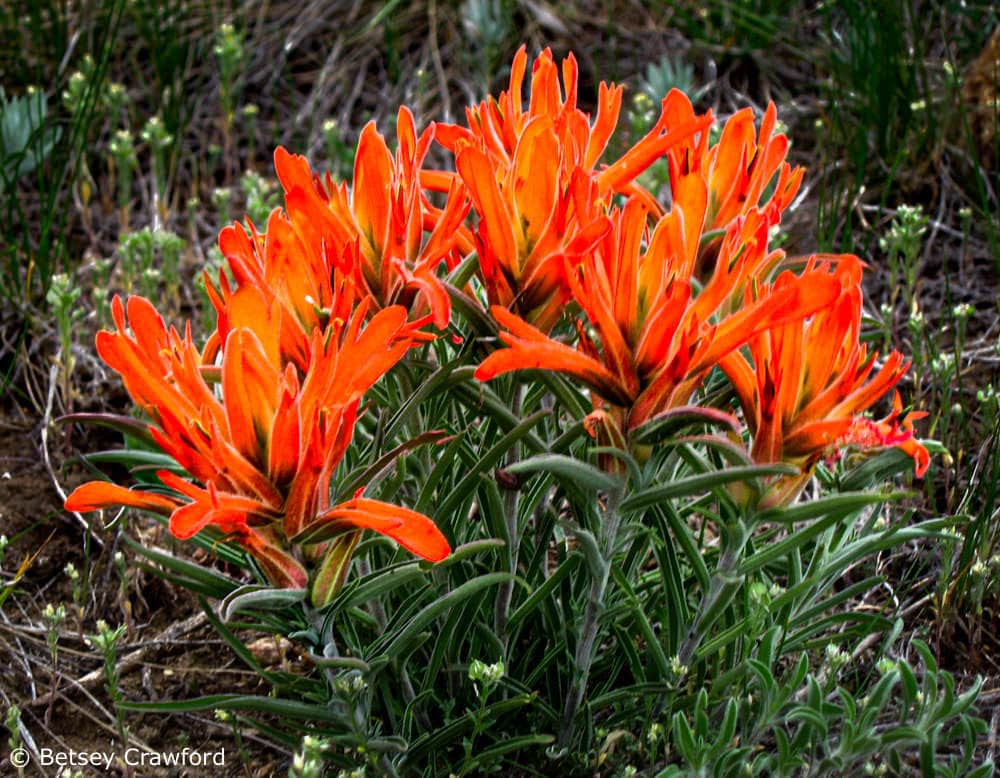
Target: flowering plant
<point>645,314</point>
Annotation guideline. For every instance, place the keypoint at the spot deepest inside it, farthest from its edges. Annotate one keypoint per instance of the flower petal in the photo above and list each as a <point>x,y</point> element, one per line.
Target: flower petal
<point>97,495</point>
<point>414,531</point>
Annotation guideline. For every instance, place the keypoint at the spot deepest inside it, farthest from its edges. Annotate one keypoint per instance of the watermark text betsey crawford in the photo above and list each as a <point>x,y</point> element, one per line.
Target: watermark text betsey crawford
<point>133,757</point>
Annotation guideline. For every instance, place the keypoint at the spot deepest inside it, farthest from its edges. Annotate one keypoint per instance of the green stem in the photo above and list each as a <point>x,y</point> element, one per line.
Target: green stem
<point>505,591</point>
<point>726,581</point>
<point>584,656</point>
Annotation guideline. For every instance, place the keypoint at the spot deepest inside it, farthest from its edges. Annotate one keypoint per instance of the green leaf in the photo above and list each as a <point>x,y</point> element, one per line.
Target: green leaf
<point>545,591</point>
<point>809,716</point>
<point>482,397</point>
<point>328,576</point>
<point>444,378</point>
<point>698,484</point>
<point>877,469</point>
<point>124,424</point>
<point>464,271</point>
<point>237,645</point>
<point>379,468</point>
<point>836,510</point>
<point>450,733</point>
<point>211,582</point>
<point>841,504</point>
<point>470,309</point>
<point>373,586</point>
<point>467,551</point>
<point>728,728</point>
<point>642,622</point>
<point>342,663</point>
<point>634,471</point>
<point>572,399</point>
<point>276,707</point>
<point>445,461</point>
<point>135,460</point>
<point>684,739</point>
<point>484,756</point>
<point>902,733</point>
<point>581,473</point>
<point>257,597</point>
<point>394,645</point>
<point>486,460</point>
<point>667,424</point>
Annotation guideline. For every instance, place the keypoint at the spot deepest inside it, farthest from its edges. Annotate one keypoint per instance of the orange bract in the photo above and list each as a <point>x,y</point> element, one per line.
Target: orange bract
<point>375,232</point>
<point>535,185</point>
<point>745,169</point>
<point>655,339</point>
<point>806,382</point>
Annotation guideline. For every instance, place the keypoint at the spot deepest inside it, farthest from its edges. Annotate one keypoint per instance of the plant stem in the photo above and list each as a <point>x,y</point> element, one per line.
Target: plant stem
<point>584,656</point>
<point>505,591</point>
<point>725,582</point>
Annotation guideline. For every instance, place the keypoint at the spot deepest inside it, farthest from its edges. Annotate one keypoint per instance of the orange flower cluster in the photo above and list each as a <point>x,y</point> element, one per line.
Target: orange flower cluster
<point>806,382</point>
<point>263,415</point>
<point>665,297</point>
<point>343,281</point>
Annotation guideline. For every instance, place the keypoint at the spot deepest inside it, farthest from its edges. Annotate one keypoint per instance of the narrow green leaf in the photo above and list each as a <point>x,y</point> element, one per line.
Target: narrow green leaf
<point>464,271</point>
<point>444,378</point>
<point>469,550</point>
<point>123,424</point>
<point>342,663</point>
<point>274,706</point>
<point>901,734</point>
<point>377,470</point>
<point>669,423</point>
<point>642,622</point>
<point>253,596</point>
<point>697,484</point>
<point>445,461</point>
<point>591,551</point>
<point>798,538</point>
<point>379,583</point>
<point>684,739</point>
<point>484,756</point>
<point>480,320</point>
<point>681,531</point>
<point>876,469</point>
<point>134,459</point>
<point>841,504</point>
<point>450,733</point>
<point>545,591</point>
<point>483,398</point>
<point>487,460</point>
<point>394,645</point>
<point>217,584</point>
<point>581,473</point>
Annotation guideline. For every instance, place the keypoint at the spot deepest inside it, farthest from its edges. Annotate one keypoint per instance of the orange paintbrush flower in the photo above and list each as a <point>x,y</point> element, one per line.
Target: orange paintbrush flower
<point>532,173</point>
<point>745,169</point>
<point>376,231</point>
<point>656,339</point>
<point>497,126</point>
<point>298,284</point>
<point>529,224</point>
<point>262,447</point>
<point>806,382</point>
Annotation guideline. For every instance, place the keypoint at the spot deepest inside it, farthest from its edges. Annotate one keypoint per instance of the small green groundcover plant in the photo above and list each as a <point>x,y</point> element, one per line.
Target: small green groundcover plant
<point>627,438</point>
